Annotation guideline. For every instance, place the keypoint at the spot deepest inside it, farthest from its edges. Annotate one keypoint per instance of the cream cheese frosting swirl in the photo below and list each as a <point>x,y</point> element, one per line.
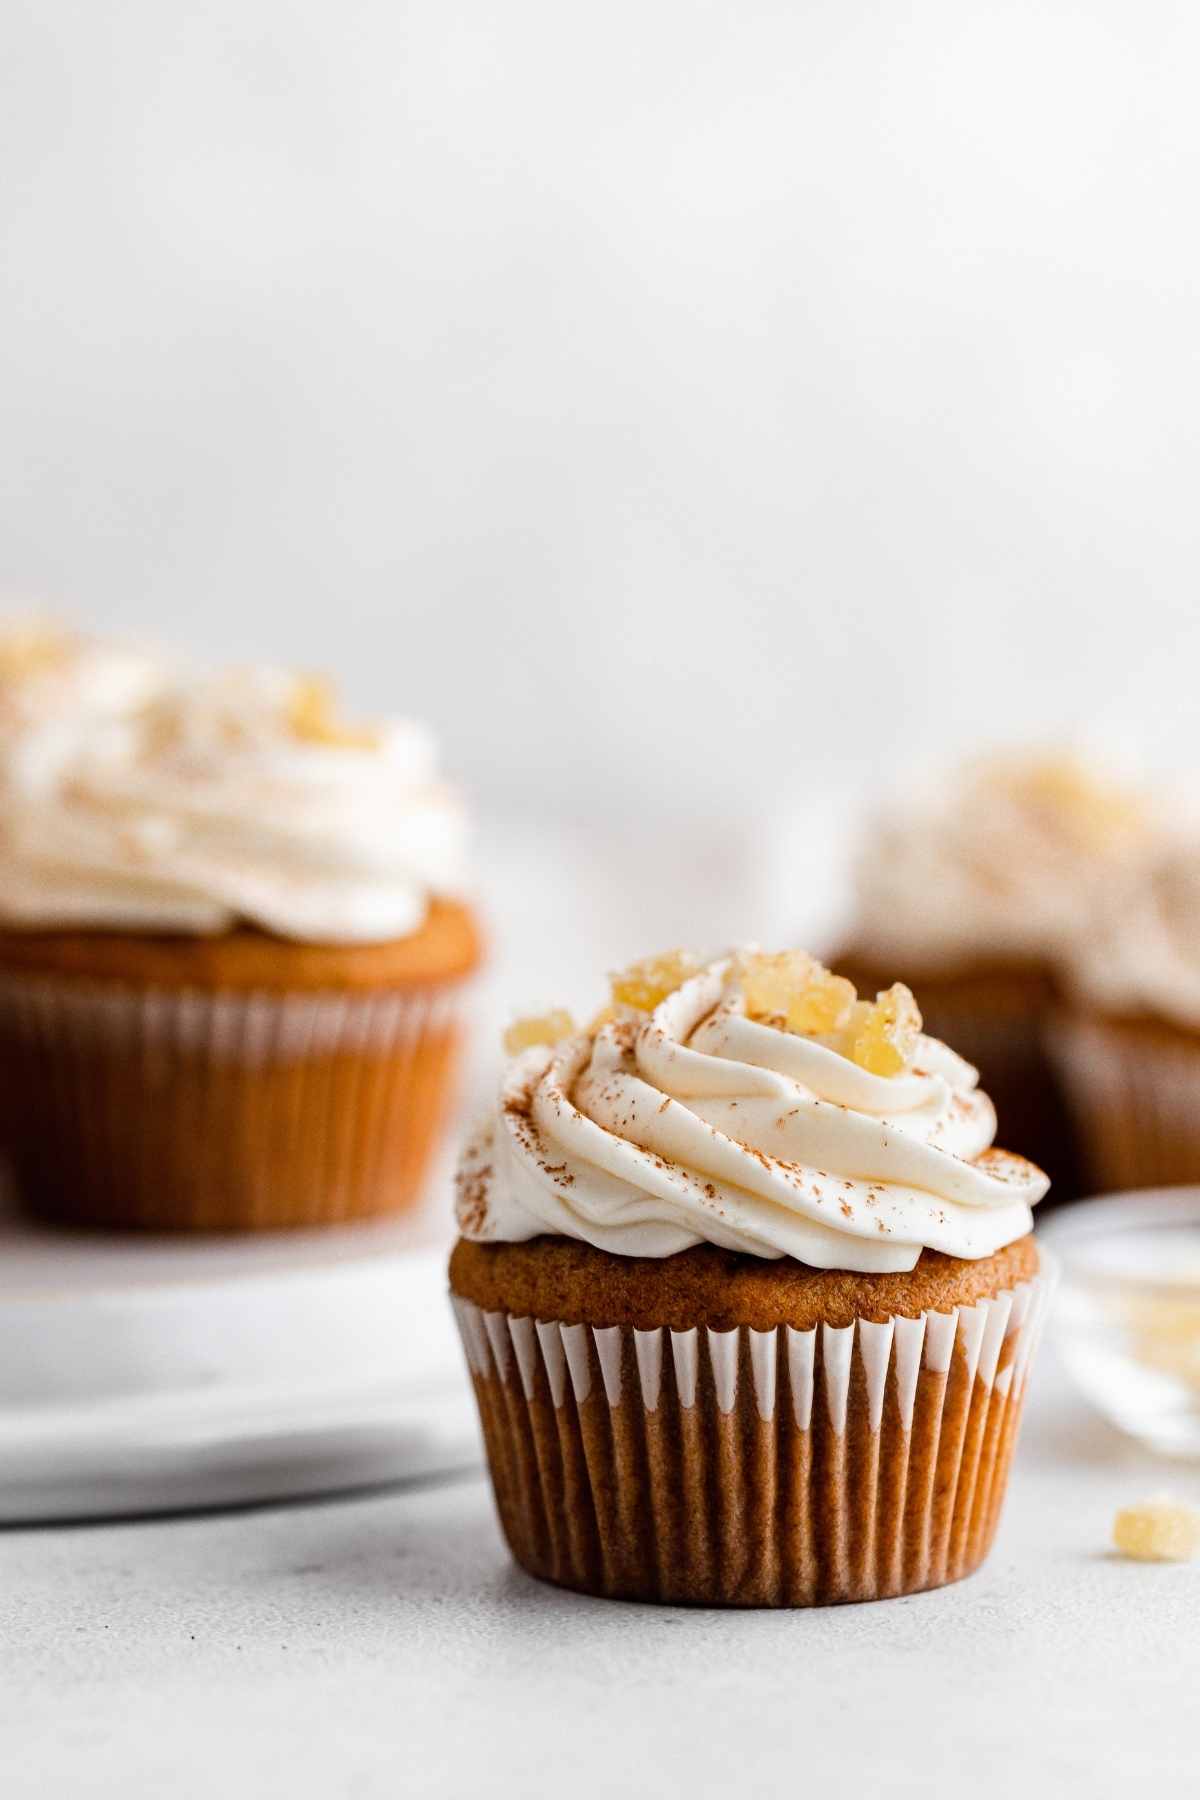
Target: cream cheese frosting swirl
<point>1008,856</point>
<point>166,800</point>
<point>699,1124</point>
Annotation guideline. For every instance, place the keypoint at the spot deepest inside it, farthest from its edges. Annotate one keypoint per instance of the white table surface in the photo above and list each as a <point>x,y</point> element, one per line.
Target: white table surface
<point>383,1645</point>
<point>145,1374</point>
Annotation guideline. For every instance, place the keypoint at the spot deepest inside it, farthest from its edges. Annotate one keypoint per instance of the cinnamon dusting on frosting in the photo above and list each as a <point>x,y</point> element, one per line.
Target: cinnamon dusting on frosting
<point>856,1168</point>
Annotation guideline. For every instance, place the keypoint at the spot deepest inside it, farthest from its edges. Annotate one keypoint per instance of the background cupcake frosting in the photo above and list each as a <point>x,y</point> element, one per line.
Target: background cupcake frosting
<point>1143,957</point>
<point>1007,855</point>
<point>139,793</point>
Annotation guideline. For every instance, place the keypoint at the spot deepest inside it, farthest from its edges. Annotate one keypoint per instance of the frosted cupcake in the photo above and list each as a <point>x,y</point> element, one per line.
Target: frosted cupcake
<point>231,945</point>
<point>1129,1042</point>
<point>748,1298</point>
<point>977,890</point>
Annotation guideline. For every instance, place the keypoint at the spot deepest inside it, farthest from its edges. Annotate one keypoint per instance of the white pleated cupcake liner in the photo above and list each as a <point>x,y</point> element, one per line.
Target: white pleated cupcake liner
<point>500,1345</point>
<point>746,1467</point>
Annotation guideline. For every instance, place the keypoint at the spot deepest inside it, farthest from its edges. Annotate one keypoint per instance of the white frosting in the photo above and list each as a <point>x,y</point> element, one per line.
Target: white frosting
<point>700,1125</point>
<point>136,796</point>
<point>1143,954</point>
<point>1008,857</point>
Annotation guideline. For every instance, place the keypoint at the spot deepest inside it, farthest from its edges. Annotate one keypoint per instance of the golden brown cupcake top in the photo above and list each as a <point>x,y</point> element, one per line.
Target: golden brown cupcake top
<point>447,947</point>
<point>556,1278</point>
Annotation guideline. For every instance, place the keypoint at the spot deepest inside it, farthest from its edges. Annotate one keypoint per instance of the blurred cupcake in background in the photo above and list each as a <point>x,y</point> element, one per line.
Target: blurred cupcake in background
<point>1128,1041</point>
<point>232,944</point>
<point>976,889</point>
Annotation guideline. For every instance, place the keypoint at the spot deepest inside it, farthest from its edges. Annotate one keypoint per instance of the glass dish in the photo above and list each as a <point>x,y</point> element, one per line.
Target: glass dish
<point>1128,1313</point>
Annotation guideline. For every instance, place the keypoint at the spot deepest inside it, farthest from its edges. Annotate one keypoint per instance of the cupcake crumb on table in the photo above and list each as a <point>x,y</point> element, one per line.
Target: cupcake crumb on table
<point>748,1299</point>
<point>1158,1530</point>
<point>233,940</point>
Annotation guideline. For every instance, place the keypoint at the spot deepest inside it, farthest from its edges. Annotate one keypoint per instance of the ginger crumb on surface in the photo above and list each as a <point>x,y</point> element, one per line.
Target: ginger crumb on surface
<point>1158,1530</point>
<point>538,1028</point>
<point>645,985</point>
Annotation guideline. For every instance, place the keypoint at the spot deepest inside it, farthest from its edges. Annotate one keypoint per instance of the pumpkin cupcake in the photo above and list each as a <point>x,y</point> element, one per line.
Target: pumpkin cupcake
<point>748,1298</point>
<point>976,890</point>
<point>232,946</point>
<point>1128,1042</point>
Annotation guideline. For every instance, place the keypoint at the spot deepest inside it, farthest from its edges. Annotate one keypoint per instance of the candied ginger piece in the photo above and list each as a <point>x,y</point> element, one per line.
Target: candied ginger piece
<point>538,1028</point>
<point>312,716</point>
<point>883,1036</point>
<point>793,986</point>
<point>644,985</point>
<point>1158,1530</point>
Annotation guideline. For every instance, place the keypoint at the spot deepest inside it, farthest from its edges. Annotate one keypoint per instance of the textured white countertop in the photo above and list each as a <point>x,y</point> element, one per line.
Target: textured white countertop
<point>384,1645</point>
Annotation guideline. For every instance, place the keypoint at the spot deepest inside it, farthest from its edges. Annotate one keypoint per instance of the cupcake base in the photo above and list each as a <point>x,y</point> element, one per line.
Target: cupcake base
<point>753,1467</point>
<point>1134,1085</point>
<point>227,1084</point>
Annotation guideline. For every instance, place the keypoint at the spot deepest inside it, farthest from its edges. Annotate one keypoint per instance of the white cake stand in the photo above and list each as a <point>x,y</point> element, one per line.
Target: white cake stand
<point>152,1374</point>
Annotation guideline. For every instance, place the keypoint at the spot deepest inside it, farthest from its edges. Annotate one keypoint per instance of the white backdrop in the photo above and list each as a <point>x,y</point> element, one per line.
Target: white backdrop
<point>675,400</point>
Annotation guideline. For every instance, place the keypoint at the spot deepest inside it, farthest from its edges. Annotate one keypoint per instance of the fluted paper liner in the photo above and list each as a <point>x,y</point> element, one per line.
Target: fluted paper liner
<point>754,1468</point>
<point>1135,1093</point>
<point>223,1111</point>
